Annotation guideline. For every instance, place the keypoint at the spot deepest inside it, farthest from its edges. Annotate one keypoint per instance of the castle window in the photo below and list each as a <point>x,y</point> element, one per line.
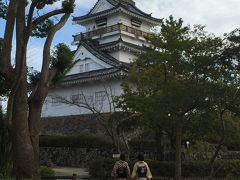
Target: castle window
<point>78,99</point>
<point>136,22</point>
<point>90,99</point>
<point>55,101</point>
<point>87,67</point>
<point>81,68</point>
<point>101,22</point>
<point>100,96</point>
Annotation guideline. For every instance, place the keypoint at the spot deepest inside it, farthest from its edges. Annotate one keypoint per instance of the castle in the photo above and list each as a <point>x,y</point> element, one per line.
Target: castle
<point>115,33</point>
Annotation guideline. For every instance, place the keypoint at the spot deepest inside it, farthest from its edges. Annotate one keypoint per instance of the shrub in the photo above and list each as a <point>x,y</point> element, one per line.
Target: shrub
<point>101,168</point>
<point>46,171</point>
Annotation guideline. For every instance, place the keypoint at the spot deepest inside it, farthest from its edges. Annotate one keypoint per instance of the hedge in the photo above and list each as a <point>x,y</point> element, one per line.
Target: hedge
<point>46,171</point>
<point>101,168</point>
<point>84,141</point>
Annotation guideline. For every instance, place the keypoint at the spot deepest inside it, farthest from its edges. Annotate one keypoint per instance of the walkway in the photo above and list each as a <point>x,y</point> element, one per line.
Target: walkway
<point>82,173</point>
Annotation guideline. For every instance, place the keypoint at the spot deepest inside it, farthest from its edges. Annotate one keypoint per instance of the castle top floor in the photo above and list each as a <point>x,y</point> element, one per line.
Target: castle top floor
<point>116,15</point>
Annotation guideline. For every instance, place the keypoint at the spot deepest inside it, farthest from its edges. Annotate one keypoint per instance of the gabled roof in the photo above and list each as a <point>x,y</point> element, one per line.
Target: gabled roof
<point>118,69</point>
<point>118,42</point>
<point>100,74</point>
<point>88,44</point>
<point>127,5</point>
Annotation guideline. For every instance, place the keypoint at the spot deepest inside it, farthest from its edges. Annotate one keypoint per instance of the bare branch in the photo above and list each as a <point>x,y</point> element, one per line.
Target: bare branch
<point>30,18</point>
<point>5,60</point>
<point>48,15</point>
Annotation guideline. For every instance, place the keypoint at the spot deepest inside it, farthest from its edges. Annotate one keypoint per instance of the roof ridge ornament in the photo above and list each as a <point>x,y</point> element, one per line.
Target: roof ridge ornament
<point>127,1</point>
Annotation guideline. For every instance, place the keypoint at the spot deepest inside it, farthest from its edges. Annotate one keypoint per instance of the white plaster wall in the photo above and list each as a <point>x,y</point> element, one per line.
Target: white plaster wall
<point>118,18</point>
<point>84,56</point>
<point>90,25</point>
<point>101,6</point>
<point>107,39</point>
<point>126,20</point>
<point>124,56</point>
<point>89,89</point>
<point>134,40</point>
<point>92,66</point>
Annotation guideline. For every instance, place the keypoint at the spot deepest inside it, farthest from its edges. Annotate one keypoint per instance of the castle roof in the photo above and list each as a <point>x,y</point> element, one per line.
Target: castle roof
<point>93,47</point>
<point>120,43</point>
<point>126,6</point>
<point>119,69</point>
<point>95,75</point>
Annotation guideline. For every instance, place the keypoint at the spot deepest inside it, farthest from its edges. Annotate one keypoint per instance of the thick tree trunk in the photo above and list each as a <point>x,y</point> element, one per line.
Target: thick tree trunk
<point>23,153</point>
<point>178,166</point>
<point>34,129</point>
<point>218,148</point>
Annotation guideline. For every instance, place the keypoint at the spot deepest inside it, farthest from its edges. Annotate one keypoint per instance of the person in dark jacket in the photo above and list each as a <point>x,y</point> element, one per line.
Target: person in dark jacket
<point>121,170</point>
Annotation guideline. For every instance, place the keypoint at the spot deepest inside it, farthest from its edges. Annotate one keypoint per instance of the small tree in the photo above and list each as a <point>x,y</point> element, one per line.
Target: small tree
<point>112,121</point>
<point>171,78</point>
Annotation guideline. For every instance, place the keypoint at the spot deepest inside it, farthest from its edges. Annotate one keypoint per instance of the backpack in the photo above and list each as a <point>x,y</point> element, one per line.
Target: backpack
<point>121,171</point>
<point>142,171</point>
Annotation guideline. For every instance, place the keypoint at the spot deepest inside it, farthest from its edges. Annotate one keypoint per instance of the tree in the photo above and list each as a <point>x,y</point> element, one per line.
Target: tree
<point>24,110</point>
<point>5,141</point>
<point>224,94</point>
<point>112,121</point>
<point>171,77</point>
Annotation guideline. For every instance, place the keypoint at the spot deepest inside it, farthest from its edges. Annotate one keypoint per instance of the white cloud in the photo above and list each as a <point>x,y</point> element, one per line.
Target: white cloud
<point>220,16</point>
<point>34,55</point>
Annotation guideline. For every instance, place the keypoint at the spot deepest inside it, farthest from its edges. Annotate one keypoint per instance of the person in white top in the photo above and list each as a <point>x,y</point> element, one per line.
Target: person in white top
<point>141,170</point>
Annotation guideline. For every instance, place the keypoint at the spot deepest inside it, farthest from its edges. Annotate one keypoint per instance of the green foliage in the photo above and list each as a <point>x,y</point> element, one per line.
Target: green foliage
<point>33,76</point>
<point>42,29</point>
<point>5,147</point>
<point>46,171</point>
<point>101,168</point>
<point>68,6</point>
<point>186,74</point>
<point>4,89</point>
<point>42,4</point>
<point>61,60</point>
<point>170,75</point>
<point>205,127</point>
<point>3,9</point>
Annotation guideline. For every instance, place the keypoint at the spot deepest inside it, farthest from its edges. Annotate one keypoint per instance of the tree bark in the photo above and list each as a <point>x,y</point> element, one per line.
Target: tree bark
<point>178,166</point>
<point>34,129</point>
<point>220,144</point>
<point>23,154</point>
<point>24,113</point>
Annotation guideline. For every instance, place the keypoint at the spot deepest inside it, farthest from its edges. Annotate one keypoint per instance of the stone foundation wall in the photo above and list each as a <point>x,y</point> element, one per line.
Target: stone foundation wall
<point>72,157</point>
<point>71,125</point>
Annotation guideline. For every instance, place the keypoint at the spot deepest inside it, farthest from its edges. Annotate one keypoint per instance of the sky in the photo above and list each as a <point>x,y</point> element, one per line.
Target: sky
<point>219,16</point>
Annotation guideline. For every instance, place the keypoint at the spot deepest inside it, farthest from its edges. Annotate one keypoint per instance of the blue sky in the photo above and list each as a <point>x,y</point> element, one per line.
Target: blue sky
<point>219,16</point>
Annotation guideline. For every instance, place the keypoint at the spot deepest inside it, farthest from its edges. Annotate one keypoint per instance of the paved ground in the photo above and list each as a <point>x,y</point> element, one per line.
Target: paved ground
<point>82,173</point>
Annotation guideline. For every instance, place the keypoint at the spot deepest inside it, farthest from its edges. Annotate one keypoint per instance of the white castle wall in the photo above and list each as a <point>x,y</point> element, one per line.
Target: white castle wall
<point>124,56</point>
<point>83,57</point>
<point>53,107</point>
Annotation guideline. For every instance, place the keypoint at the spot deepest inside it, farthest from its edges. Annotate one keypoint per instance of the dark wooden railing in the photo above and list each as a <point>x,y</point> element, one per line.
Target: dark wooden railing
<point>113,28</point>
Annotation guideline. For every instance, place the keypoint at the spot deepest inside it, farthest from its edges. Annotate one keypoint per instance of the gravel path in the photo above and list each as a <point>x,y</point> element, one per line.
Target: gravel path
<point>82,173</point>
